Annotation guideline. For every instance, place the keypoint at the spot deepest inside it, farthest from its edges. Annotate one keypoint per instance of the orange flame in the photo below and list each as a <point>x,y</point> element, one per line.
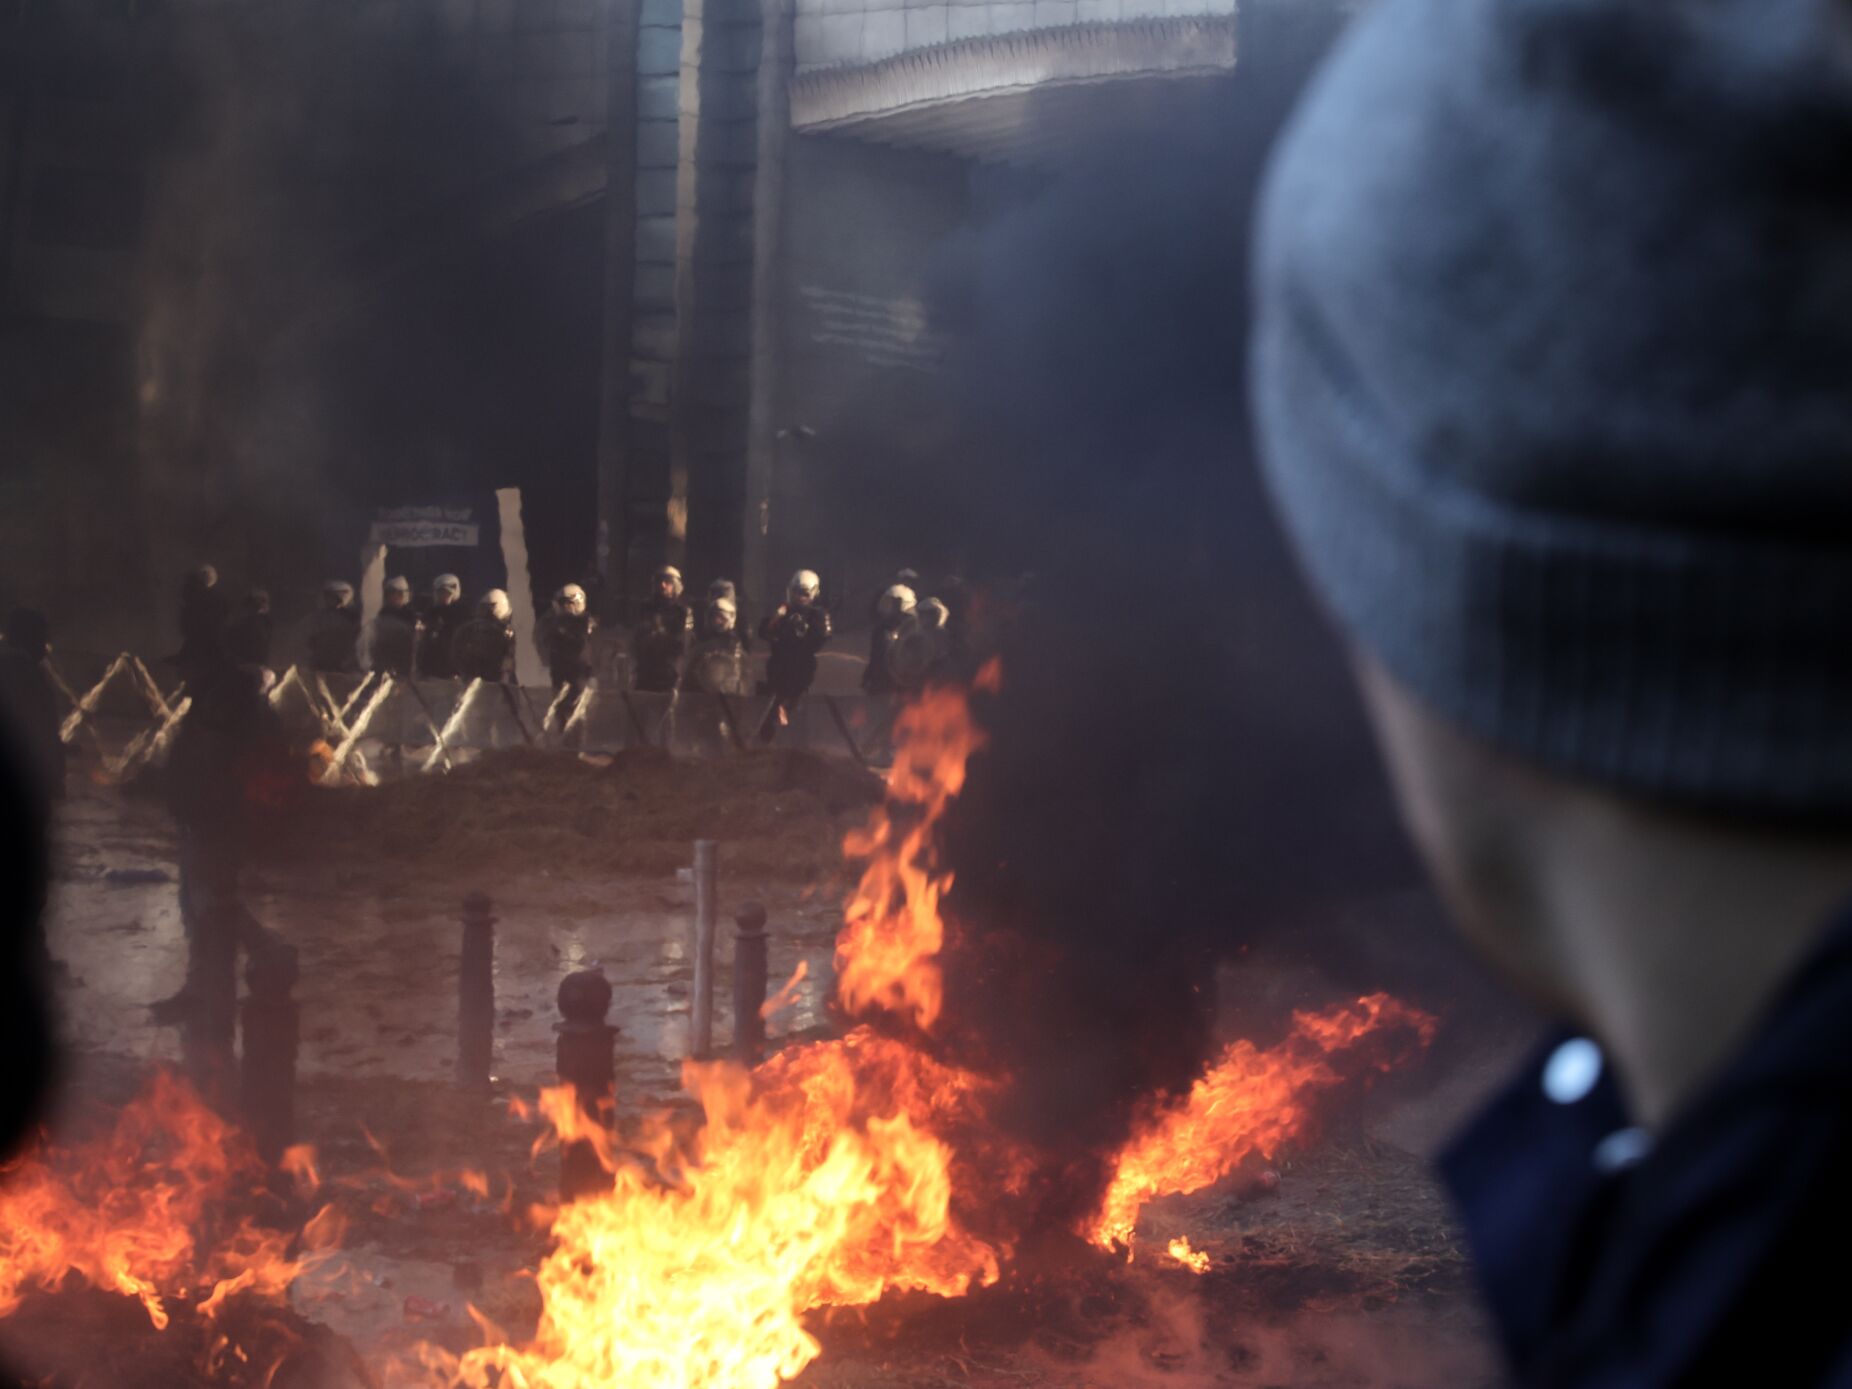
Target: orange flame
<point>787,995</point>
<point>1249,1103</point>
<point>1193,1259</point>
<point>886,955</point>
<point>815,1181</point>
<point>127,1211</point>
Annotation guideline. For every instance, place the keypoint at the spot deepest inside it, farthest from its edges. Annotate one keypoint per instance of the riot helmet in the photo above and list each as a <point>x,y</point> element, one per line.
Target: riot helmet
<point>495,605</point>
<point>896,603</point>
<point>804,587</point>
<point>446,589</point>
<point>337,594</point>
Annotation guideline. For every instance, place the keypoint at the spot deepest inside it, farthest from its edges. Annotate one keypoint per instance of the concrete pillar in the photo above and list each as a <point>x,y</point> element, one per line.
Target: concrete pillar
<point>620,285</point>
<point>777,63</point>
<point>710,385</point>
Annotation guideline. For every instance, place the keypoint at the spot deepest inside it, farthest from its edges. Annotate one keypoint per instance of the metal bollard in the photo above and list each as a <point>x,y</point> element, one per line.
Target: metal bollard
<point>749,983</point>
<point>272,1029</point>
<point>476,994</point>
<point>586,1060</point>
<point>707,892</point>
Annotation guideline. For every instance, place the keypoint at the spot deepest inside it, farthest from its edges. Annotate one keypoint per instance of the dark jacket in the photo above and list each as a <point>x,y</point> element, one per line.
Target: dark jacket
<point>484,650</point>
<point>566,643</point>
<point>334,635</point>
<point>1703,1255</point>
<point>436,657</point>
<point>394,641</point>
<point>248,639</point>
<point>795,636</point>
<point>203,616</point>
<point>661,638</point>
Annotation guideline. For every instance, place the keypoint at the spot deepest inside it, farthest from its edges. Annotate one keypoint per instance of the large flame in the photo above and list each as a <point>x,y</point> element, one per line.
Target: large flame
<point>815,1181</point>
<point>140,1211</point>
<point>887,954</point>
<point>822,1178</point>
<point>1248,1104</point>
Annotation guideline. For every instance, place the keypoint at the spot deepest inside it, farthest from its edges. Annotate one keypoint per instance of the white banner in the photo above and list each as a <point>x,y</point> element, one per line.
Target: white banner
<point>425,526</point>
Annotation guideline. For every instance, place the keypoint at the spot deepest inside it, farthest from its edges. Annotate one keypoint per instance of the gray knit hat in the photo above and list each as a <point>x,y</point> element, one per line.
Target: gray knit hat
<point>1552,373</point>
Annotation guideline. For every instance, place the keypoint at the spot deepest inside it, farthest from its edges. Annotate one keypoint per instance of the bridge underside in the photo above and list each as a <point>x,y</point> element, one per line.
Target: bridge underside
<point>1021,98</point>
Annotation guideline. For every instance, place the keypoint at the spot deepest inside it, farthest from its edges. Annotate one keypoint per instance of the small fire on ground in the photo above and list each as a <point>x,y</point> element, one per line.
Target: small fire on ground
<point>828,1176</point>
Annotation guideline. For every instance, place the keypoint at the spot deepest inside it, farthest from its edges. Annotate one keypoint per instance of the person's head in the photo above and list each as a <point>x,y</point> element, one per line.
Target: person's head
<point>668,582</point>
<point>907,578</point>
<point>398,592</point>
<point>495,605</point>
<point>723,615</point>
<point>337,594</point>
<point>200,578</point>
<point>446,589</point>
<point>570,600</point>
<point>28,632</point>
<point>1551,423</point>
<point>257,602</point>
<point>896,603</point>
<point>803,589</point>
<point>722,588</point>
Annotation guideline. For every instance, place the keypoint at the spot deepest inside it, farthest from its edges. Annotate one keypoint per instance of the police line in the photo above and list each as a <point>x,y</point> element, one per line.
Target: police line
<point>118,707</point>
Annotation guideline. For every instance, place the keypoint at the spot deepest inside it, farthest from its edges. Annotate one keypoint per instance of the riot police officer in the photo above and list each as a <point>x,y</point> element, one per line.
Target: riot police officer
<point>796,632</point>
<point>203,617</point>
<point>392,644</point>
<point>566,641</point>
<point>484,646</point>
<point>662,633</point>
<point>441,619</point>
<point>334,631</point>
<point>893,616</point>
<point>717,664</point>
<point>706,624</point>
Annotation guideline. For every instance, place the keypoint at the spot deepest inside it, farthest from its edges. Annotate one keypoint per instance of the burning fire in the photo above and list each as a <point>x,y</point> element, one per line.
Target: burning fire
<point>886,956</point>
<point>1249,1103</point>
<point>825,1177</point>
<point>131,1211</point>
<point>1193,1259</point>
<point>816,1181</point>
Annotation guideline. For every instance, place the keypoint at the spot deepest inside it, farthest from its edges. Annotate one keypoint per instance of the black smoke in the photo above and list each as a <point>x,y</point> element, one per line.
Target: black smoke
<point>1176,763</point>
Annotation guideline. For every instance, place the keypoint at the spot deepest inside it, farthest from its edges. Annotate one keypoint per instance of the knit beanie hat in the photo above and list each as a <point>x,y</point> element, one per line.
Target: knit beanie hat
<point>1552,375</point>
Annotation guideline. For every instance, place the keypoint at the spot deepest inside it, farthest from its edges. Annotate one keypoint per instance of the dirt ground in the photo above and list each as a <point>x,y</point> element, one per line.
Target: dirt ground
<point>1349,1275</point>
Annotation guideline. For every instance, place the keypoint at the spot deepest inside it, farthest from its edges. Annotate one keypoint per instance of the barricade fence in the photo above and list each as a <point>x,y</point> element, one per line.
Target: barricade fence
<point>374,725</point>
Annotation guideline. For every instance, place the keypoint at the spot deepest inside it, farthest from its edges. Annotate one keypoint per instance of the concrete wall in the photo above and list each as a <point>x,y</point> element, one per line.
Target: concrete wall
<point>841,33</point>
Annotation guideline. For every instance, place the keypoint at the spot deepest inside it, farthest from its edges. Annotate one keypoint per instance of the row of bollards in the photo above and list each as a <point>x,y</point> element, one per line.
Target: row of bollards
<point>586,1053</point>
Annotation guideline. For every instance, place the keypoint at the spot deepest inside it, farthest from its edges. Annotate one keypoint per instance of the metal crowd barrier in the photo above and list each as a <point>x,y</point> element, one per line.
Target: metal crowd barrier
<point>432,725</point>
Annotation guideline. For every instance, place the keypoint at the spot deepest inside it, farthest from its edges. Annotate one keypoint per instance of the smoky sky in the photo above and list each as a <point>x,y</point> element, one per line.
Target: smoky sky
<point>1177,765</point>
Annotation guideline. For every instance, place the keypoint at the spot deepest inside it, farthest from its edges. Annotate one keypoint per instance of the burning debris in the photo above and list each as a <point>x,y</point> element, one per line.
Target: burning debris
<point>172,1209</point>
<point>1250,1103</point>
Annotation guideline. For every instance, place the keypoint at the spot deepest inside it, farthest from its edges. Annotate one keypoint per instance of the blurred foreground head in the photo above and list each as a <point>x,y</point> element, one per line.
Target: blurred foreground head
<point>1552,328</point>
<point>25,989</point>
<point>1553,312</point>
